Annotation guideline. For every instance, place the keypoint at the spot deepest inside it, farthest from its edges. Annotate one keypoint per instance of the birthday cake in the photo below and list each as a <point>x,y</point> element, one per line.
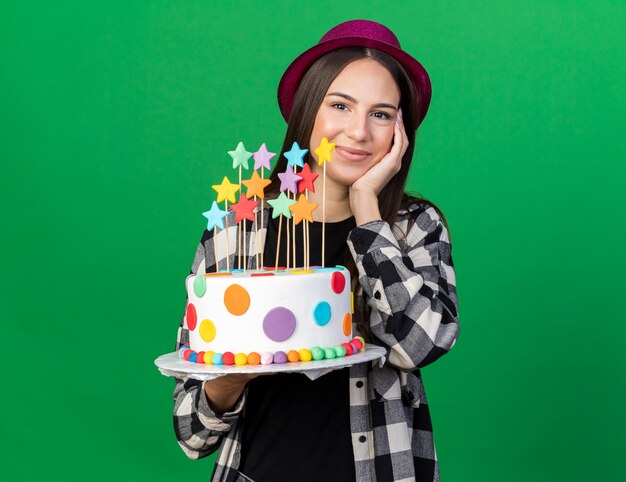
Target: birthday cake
<point>274,315</point>
<point>263,317</point>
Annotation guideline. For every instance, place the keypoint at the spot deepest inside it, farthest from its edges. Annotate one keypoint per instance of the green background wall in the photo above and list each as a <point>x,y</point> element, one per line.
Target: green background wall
<point>116,119</point>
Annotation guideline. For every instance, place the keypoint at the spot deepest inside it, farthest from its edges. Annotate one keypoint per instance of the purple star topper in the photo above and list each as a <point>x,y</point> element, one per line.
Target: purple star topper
<point>289,180</point>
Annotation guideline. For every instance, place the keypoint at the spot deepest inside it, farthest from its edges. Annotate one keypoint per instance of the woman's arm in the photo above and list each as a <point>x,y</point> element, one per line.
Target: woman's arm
<point>412,291</point>
<point>204,411</point>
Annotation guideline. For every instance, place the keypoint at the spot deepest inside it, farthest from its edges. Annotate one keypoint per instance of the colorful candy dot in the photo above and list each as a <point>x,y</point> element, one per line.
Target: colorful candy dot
<point>347,324</point>
<point>241,359</point>
<point>355,349</point>
<point>192,357</point>
<point>207,330</point>
<point>254,358</point>
<point>348,348</point>
<point>267,358</point>
<point>321,313</point>
<point>329,353</point>
<point>200,357</point>
<point>361,339</point>
<point>280,357</point>
<point>338,282</point>
<point>292,356</point>
<point>192,317</point>
<point>305,355</point>
<point>221,273</point>
<point>302,271</point>
<point>357,342</point>
<point>339,351</point>
<point>208,357</point>
<point>187,353</point>
<point>317,353</point>
<point>199,286</point>
<point>262,274</point>
<point>236,299</point>
<point>279,324</point>
<point>228,358</point>
<point>217,359</point>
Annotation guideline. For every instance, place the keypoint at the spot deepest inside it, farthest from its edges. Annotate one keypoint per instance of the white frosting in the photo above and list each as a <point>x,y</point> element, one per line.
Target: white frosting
<point>299,293</point>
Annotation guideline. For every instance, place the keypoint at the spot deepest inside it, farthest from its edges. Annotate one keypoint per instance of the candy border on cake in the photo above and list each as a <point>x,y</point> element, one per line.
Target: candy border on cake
<point>355,345</point>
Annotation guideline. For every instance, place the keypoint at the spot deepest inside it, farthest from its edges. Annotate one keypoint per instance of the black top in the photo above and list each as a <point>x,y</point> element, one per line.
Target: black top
<point>295,428</point>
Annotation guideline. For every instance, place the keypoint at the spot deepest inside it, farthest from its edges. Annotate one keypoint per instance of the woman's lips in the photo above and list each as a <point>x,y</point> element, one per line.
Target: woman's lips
<point>352,154</point>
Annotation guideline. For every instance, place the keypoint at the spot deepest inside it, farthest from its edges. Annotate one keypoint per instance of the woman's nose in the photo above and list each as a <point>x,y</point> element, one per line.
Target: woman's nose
<point>357,127</point>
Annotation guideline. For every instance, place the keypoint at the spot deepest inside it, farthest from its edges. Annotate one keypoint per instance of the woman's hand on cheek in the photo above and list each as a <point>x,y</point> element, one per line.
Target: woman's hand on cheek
<point>377,177</point>
<point>364,191</point>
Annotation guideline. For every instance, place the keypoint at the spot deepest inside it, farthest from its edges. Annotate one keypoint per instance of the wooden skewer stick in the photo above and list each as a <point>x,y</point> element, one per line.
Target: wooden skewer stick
<point>306,238</point>
<point>324,217</point>
<point>288,244</point>
<point>245,252</point>
<point>256,240</point>
<point>215,250</point>
<point>304,221</point>
<point>227,241</point>
<point>280,227</point>
<point>239,227</point>
<point>263,230</point>
<point>293,225</point>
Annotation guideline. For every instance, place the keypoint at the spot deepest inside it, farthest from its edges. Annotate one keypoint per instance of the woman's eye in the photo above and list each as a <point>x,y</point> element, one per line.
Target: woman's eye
<point>381,115</point>
<point>339,105</point>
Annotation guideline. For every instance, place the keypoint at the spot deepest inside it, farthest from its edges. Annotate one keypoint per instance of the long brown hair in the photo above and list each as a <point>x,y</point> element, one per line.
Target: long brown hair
<point>307,101</point>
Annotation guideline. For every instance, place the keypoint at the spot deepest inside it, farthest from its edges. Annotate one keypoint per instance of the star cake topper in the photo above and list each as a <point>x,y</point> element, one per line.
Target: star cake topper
<point>324,151</point>
<point>281,206</point>
<point>262,157</point>
<point>256,185</point>
<point>244,209</point>
<point>289,180</point>
<point>308,179</point>
<point>215,217</point>
<point>303,209</point>
<point>295,156</point>
<point>226,190</point>
<point>240,156</point>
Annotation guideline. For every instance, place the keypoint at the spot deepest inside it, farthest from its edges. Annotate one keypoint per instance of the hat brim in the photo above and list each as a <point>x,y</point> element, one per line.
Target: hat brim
<point>293,75</point>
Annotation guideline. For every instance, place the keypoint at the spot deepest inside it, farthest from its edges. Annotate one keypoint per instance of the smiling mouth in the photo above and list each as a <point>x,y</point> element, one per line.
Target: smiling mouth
<point>352,154</point>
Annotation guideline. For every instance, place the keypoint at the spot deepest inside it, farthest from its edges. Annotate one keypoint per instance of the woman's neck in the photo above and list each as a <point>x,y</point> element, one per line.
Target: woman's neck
<point>337,201</point>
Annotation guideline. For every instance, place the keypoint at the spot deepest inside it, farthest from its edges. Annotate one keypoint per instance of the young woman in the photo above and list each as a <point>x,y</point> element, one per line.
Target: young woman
<point>357,88</point>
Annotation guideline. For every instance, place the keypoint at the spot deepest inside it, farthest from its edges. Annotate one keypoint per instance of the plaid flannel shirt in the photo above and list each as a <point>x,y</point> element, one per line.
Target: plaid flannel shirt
<point>408,282</point>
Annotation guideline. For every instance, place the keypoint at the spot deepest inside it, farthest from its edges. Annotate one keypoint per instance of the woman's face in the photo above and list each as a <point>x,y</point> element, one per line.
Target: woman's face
<point>358,114</point>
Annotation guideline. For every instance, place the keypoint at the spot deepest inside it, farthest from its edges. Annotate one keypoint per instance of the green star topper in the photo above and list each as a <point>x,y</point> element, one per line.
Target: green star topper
<point>240,156</point>
<point>281,206</point>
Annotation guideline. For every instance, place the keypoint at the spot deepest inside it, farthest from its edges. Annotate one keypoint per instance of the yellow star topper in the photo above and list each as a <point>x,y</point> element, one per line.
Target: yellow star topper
<point>256,185</point>
<point>303,209</point>
<point>324,151</point>
<point>226,190</point>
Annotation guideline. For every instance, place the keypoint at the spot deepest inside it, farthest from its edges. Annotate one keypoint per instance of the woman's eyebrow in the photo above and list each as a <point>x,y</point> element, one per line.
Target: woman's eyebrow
<point>353,100</point>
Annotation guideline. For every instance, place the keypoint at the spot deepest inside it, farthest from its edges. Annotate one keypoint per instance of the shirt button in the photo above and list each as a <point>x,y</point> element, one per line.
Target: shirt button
<point>359,384</point>
<point>377,295</point>
<point>362,438</point>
